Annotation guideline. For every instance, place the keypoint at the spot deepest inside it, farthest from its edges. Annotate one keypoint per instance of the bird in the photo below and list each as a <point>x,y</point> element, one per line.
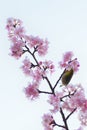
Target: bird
<point>66,76</point>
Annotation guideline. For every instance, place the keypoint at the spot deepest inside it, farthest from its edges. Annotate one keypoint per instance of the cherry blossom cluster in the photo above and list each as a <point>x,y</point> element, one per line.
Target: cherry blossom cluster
<point>22,42</point>
<point>70,98</point>
<point>68,63</point>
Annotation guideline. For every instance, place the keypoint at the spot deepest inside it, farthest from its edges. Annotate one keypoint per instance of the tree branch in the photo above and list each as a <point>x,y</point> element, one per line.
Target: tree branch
<point>59,125</point>
<point>68,95</point>
<point>50,85</point>
<point>44,92</point>
<point>44,77</point>
<point>64,119</point>
<point>58,80</point>
<point>71,113</point>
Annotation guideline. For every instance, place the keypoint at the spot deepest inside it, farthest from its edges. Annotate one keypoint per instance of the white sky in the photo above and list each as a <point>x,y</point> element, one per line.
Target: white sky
<point>64,23</point>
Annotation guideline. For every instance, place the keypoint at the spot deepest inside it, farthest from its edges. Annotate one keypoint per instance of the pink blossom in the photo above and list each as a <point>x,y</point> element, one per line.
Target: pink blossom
<point>26,67</point>
<point>66,105</point>
<point>31,91</point>
<point>62,64</point>
<point>43,48</point>
<point>70,88</point>
<point>16,50</point>
<point>48,122</point>
<point>19,32</point>
<point>35,41</point>
<point>76,99</point>
<point>74,64</point>
<point>15,29</point>
<point>37,74</point>
<point>47,66</point>
<point>40,44</point>
<point>27,38</point>
<point>68,63</point>
<point>83,117</point>
<point>67,56</point>
<point>54,100</point>
<point>11,23</point>
<point>84,105</point>
<point>14,39</point>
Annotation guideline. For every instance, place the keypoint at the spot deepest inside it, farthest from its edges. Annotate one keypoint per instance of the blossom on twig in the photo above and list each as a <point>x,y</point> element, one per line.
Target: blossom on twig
<point>48,122</point>
<point>68,63</point>
<point>31,91</point>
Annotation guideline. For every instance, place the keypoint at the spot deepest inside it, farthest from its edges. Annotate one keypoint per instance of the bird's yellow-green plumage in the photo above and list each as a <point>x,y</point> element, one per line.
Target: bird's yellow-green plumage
<point>66,77</point>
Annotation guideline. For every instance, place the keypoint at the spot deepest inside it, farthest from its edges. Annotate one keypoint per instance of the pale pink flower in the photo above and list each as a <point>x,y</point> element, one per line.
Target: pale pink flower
<point>40,44</point>
<point>35,41</point>
<point>19,32</point>
<point>26,67</point>
<point>14,39</point>
<point>54,100</point>
<point>67,56</point>
<point>84,105</point>
<point>62,64</point>
<point>68,63</point>
<point>16,50</point>
<point>27,38</point>
<point>48,122</point>
<point>12,23</point>
<point>74,64</point>
<point>76,99</point>
<point>66,105</point>
<point>83,117</point>
<point>15,29</point>
<point>43,48</point>
<point>47,66</point>
<point>70,88</point>
<point>37,74</point>
<point>31,91</point>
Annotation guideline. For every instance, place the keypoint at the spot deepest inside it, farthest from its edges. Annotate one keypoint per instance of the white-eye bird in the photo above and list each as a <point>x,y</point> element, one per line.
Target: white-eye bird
<point>66,77</point>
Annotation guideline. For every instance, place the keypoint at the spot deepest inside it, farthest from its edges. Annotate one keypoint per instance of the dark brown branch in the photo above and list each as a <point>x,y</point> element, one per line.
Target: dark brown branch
<point>44,92</point>
<point>28,50</point>
<point>64,119</point>
<point>68,95</point>
<point>58,125</point>
<point>70,114</point>
<point>50,85</point>
<point>58,80</point>
<point>44,77</point>
<point>32,54</point>
<point>35,60</point>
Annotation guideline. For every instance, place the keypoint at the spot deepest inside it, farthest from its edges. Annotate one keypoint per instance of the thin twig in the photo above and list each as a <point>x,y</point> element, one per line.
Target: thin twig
<point>28,49</point>
<point>32,55</point>
<point>70,114</point>
<point>59,79</point>
<point>59,125</point>
<point>44,92</point>
<point>68,95</point>
<point>50,85</point>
